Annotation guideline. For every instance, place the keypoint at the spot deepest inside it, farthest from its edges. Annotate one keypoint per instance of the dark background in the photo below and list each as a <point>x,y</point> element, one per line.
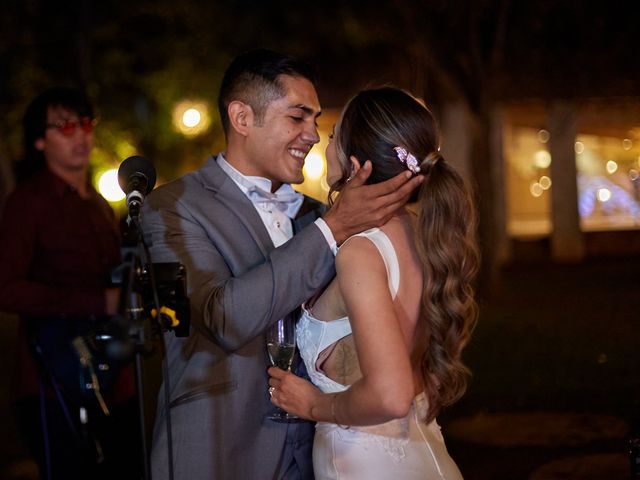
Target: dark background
<point>553,338</point>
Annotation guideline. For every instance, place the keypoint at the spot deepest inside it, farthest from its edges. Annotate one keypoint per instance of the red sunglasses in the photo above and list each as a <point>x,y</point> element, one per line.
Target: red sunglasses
<point>68,127</point>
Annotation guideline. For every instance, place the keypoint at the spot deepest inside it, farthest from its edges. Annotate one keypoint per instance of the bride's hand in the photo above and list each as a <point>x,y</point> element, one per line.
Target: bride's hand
<point>292,393</point>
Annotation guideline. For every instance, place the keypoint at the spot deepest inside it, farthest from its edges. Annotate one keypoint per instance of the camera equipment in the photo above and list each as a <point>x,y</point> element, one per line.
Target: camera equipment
<point>150,293</point>
<point>153,297</point>
<point>145,291</point>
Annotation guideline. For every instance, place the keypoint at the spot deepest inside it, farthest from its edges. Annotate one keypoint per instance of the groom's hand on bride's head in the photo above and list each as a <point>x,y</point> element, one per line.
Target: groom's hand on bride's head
<point>359,206</point>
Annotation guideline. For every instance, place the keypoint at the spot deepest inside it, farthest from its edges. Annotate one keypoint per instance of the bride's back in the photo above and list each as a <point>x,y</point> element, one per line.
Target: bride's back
<point>434,310</point>
<point>340,361</point>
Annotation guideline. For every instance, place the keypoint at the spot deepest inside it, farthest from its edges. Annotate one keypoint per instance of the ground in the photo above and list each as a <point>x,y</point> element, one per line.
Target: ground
<point>555,392</point>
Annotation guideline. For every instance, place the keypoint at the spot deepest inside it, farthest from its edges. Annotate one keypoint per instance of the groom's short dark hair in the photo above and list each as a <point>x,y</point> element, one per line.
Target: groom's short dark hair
<point>253,78</point>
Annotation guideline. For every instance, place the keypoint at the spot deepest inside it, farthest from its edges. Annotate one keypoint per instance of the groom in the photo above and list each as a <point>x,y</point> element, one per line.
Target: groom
<point>232,224</point>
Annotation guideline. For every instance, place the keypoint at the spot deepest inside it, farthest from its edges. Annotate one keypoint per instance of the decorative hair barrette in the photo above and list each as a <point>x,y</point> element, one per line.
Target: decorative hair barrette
<point>408,159</point>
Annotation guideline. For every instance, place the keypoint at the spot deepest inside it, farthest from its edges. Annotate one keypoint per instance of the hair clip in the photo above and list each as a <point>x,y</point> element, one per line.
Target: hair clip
<point>408,159</point>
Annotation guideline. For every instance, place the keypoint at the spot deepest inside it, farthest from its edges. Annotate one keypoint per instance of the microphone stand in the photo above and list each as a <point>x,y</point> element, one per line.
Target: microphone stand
<point>132,309</point>
<point>137,177</point>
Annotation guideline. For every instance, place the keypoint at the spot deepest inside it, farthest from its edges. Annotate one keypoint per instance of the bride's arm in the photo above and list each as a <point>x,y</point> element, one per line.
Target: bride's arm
<point>386,388</point>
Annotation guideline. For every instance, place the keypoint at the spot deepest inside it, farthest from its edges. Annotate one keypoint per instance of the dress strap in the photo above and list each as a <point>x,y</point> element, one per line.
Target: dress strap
<point>388,254</point>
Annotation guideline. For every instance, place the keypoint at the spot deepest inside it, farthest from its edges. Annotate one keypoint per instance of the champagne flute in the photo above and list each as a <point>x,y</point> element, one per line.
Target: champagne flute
<point>281,345</point>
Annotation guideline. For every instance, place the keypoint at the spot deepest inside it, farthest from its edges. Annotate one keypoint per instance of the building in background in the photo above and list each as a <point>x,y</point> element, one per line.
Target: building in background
<point>569,175</point>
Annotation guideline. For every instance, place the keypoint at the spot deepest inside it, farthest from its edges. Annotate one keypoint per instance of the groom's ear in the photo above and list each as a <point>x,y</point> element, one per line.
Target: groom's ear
<point>240,117</point>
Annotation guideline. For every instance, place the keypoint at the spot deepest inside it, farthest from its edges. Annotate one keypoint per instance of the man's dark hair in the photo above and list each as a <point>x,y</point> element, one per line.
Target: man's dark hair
<point>34,124</point>
<point>253,78</point>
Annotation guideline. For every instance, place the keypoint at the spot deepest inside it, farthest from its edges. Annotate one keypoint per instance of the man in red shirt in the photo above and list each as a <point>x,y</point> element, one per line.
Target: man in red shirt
<point>59,241</point>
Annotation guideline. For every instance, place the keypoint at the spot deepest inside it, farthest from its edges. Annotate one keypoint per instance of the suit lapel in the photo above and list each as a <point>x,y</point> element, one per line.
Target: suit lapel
<point>310,210</point>
<point>227,193</point>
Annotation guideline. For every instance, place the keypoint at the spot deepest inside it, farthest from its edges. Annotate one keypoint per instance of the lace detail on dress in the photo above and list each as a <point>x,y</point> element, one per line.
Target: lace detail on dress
<point>309,336</point>
<point>392,436</point>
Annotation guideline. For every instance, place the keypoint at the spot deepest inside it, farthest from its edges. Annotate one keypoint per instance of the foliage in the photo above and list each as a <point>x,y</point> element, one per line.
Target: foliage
<point>138,59</point>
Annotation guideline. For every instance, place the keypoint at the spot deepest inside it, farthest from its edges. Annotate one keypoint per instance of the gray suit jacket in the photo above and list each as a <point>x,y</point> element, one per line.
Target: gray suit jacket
<point>238,284</point>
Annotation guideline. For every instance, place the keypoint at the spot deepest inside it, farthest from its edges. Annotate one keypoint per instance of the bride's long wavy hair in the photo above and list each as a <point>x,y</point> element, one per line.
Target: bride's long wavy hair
<point>371,125</point>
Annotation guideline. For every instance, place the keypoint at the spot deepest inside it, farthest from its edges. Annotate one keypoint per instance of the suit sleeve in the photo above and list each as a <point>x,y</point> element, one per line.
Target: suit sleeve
<point>236,288</point>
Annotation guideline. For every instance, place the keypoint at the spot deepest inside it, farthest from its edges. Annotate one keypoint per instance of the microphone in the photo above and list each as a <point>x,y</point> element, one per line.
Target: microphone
<point>137,177</point>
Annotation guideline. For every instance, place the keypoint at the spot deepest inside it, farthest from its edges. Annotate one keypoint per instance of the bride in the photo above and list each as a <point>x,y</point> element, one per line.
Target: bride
<point>382,343</point>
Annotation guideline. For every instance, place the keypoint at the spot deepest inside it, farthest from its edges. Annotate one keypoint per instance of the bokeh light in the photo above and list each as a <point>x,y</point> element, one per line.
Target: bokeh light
<point>535,189</point>
<point>542,159</point>
<point>108,186</point>
<point>545,182</point>
<point>604,194</point>
<point>543,136</point>
<point>313,166</point>
<point>191,118</point>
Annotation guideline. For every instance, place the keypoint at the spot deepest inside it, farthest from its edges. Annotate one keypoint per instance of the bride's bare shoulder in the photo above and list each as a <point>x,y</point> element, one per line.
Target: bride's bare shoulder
<point>357,256</point>
<point>355,246</point>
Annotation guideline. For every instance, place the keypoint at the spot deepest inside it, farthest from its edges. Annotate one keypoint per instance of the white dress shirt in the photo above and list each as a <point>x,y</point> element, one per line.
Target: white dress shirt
<point>276,209</point>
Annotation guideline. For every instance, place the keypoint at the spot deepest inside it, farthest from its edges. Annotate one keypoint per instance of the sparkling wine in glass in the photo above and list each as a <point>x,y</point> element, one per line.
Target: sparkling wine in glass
<point>281,345</point>
<point>281,354</point>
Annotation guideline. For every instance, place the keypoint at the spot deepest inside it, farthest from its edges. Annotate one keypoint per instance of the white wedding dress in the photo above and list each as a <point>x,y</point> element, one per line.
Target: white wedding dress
<point>403,448</point>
